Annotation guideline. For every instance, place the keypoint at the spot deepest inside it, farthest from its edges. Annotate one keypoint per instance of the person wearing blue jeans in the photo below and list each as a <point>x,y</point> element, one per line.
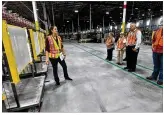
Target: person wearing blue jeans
<point>157,47</point>
<point>158,66</point>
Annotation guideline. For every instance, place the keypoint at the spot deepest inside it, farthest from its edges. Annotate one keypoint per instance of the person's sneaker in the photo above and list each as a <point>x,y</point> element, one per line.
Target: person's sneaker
<point>69,79</point>
<point>159,83</point>
<point>150,78</point>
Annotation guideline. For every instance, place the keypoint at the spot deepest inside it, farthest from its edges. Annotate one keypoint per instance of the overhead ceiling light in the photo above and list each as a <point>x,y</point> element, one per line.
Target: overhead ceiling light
<point>161,10</point>
<point>120,7</point>
<point>149,9</point>
<point>143,14</point>
<point>67,21</point>
<point>37,9</point>
<point>76,11</point>
<point>111,20</point>
<point>120,13</point>
<point>136,8</point>
<point>107,12</point>
<point>132,14</point>
<point>87,21</point>
<point>110,17</point>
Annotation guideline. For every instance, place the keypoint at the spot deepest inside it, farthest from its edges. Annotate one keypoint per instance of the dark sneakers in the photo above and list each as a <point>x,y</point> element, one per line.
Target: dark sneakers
<point>151,78</point>
<point>159,83</point>
<point>119,63</point>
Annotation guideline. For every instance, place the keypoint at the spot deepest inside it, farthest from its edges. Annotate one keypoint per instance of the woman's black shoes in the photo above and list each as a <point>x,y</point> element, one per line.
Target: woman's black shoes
<point>58,84</point>
<point>69,79</point>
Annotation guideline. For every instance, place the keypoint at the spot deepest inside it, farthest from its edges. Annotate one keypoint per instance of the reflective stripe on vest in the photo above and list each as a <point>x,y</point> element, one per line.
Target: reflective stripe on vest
<point>57,48</point>
<point>158,37</point>
<point>120,43</point>
<point>132,38</point>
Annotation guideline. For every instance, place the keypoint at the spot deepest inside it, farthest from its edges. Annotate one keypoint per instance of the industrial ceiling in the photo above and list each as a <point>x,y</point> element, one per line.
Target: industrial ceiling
<point>64,11</point>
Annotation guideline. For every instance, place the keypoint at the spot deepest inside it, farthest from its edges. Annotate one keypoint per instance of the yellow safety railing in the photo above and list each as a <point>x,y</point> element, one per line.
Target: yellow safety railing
<point>33,44</point>
<point>9,53</point>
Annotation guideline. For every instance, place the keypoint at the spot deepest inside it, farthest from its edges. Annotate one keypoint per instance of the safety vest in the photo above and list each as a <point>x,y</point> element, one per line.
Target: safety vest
<point>157,41</point>
<point>132,38</point>
<point>109,42</point>
<point>158,38</point>
<point>55,48</point>
<point>120,43</point>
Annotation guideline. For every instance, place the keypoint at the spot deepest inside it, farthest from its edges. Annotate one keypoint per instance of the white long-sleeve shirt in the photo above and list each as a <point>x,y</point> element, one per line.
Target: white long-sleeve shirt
<point>138,38</point>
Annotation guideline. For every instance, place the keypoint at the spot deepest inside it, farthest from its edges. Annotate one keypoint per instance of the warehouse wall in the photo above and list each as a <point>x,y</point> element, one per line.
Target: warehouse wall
<point>156,21</point>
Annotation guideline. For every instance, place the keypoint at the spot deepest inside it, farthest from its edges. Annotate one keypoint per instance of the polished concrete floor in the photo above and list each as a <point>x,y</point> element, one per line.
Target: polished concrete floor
<point>102,86</point>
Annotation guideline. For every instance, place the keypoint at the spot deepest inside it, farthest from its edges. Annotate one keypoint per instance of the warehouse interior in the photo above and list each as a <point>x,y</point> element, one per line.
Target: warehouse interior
<point>98,85</point>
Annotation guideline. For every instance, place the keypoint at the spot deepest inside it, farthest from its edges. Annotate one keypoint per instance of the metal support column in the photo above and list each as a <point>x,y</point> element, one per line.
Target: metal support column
<point>78,22</point>
<point>90,18</point>
<point>124,16</point>
<point>45,17</point>
<point>34,6</point>
<point>49,23</point>
<point>103,26</point>
<point>72,27</point>
<point>53,15</point>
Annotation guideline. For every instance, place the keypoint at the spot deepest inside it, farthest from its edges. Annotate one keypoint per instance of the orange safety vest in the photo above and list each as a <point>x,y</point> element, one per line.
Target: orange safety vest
<point>55,48</point>
<point>109,42</point>
<point>158,38</point>
<point>132,38</point>
<point>120,43</point>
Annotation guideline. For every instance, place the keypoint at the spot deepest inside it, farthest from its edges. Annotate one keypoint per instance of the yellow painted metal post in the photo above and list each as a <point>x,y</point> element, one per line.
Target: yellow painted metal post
<point>33,44</point>
<point>3,96</point>
<point>35,15</point>
<point>124,16</point>
<point>39,37</point>
<point>43,41</point>
<point>10,54</point>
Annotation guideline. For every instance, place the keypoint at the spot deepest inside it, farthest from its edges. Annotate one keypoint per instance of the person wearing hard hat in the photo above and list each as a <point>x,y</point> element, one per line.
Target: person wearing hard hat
<point>121,45</point>
<point>55,53</point>
<point>157,48</point>
<point>133,45</point>
<point>110,46</point>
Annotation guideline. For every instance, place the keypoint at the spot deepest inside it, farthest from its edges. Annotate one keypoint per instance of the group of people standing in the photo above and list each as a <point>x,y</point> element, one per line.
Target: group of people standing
<point>130,42</point>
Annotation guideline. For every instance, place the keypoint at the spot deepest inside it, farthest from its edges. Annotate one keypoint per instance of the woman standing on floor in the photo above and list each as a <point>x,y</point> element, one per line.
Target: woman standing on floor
<point>55,52</point>
<point>121,45</point>
<point>110,46</point>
